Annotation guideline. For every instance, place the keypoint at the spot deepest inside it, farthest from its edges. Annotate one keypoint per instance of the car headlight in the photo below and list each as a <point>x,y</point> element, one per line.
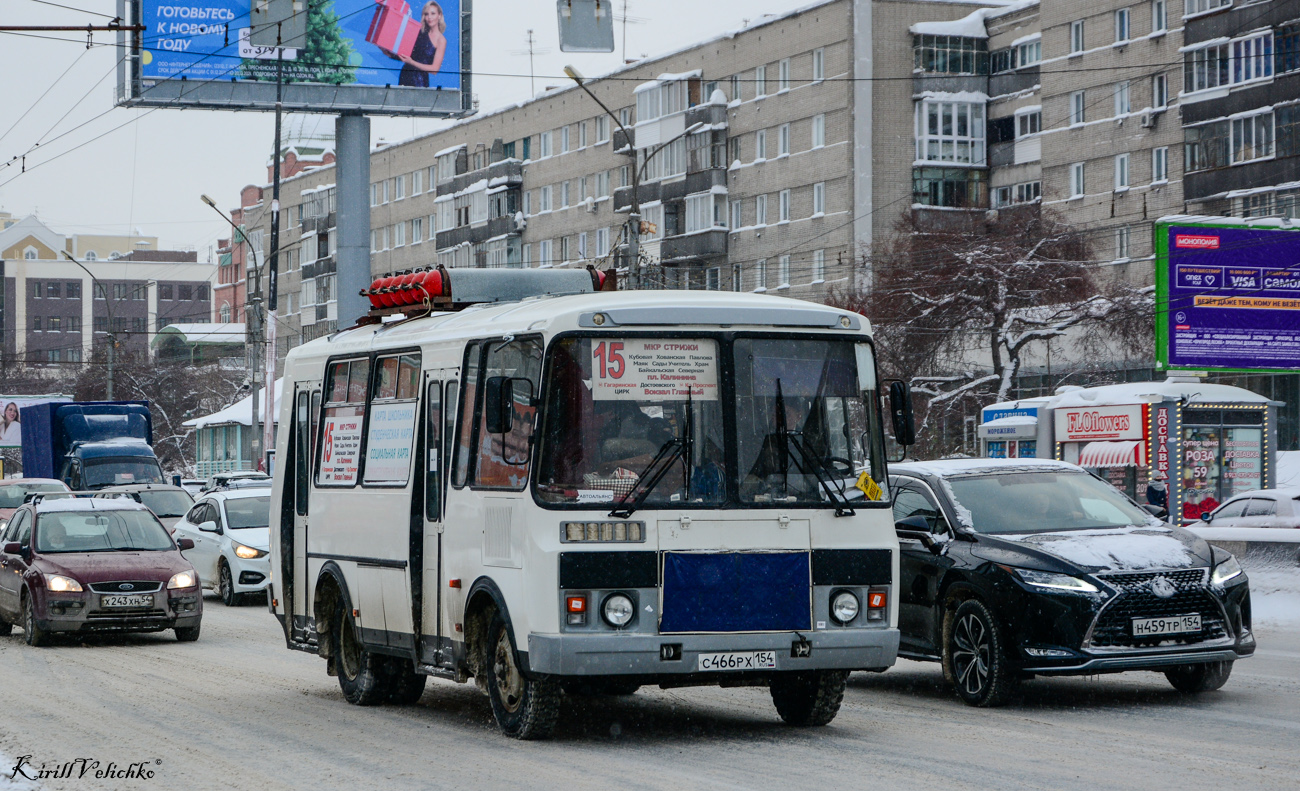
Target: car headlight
<point>1225,571</point>
<point>618,610</point>
<point>61,584</point>
<point>185,579</point>
<point>1057,582</point>
<point>247,553</point>
<point>845,606</point>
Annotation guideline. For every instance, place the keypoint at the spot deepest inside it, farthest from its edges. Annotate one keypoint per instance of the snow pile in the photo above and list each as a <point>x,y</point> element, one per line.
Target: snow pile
<point>1275,596</point>
<point>1288,469</point>
<point>1119,549</point>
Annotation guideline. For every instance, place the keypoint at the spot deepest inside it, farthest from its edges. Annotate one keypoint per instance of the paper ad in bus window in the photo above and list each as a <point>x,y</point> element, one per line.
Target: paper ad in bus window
<point>341,449</point>
<point>388,447</point>
<point>654,370</point>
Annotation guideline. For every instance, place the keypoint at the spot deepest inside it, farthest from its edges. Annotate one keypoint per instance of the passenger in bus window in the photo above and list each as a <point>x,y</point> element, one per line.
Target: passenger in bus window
<point>386,378</point>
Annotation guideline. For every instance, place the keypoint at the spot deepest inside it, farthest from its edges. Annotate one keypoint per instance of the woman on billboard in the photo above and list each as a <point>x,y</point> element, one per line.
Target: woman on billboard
<point>11,430</point>
<point>430,46</point>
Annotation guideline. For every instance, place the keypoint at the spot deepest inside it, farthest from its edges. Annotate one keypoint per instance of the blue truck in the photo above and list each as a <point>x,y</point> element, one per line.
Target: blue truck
<point>90,444</point>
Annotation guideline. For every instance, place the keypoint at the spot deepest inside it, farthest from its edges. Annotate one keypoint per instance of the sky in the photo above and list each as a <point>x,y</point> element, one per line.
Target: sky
<point>130,168</point>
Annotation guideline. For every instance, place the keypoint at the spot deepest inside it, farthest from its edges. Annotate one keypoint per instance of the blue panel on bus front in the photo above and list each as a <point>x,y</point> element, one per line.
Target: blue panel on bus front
<point>736,592</point>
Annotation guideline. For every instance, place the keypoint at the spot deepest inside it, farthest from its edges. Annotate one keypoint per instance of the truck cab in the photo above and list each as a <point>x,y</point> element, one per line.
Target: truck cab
<point>95,465</point>
<point>90,444</point>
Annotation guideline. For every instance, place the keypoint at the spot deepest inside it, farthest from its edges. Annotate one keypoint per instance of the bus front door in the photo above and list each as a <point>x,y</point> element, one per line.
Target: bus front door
<point>292,577</point>
<point>440,407</point>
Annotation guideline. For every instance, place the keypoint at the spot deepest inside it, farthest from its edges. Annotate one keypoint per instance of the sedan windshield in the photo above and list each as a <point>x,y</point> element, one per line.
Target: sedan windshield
<point>1041,502</point>
<point>167,502</point>
<point>12,496</point>
<point>248,512</point>
<point>112,472</point>
<point>100,531</point>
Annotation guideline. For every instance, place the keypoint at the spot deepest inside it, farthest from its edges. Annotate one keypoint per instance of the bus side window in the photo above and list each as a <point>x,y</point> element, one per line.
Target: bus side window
<point>503,457</point>
<point>469,395</point>
<point>433,444</point>
<point>301,460</point>
<point>449,423</point>
<point>315,419</point>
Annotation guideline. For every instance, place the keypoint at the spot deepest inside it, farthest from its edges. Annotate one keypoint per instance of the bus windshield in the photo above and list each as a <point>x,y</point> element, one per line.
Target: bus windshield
<point>654,420</point>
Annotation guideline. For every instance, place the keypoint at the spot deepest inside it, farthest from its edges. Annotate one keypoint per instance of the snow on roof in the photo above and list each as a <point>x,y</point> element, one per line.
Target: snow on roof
<point>946,467</point>
<point>1228,222</point>
<point>1026,39</point>
<point>448,150</point>
<point>1013,420</point>
<point>971,25</point>
<point>240,412</point>
<point>959,96</point>
<point>1149,392</point>
<point>207,333</point>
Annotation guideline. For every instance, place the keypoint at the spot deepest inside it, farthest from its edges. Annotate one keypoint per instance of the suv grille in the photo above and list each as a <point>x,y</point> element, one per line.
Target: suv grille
<point>1113,628</point>
<point>132,586</point>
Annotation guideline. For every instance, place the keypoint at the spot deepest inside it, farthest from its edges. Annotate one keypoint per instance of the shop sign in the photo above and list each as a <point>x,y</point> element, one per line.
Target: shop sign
<point>1162,443</point>
<point>1084,424</point>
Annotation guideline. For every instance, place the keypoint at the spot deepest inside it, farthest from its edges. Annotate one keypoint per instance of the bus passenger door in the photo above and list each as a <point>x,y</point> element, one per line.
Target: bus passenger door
<point>435,648</point>
<point>294,582</point>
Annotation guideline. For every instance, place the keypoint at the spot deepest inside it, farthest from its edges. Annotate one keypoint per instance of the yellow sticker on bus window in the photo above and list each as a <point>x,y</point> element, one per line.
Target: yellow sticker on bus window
<point>869,486</point>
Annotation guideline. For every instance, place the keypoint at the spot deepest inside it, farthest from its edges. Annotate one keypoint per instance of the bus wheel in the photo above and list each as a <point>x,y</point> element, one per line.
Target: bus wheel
<point>525,708</point>
<point>809,697</point>
<point>361,673</point>
<point>405,685</point>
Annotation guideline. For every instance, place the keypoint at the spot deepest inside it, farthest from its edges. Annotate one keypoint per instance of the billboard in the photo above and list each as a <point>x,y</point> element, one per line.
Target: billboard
<point>1227,295</point>
<point>379,57</point>
<point>11,425</point>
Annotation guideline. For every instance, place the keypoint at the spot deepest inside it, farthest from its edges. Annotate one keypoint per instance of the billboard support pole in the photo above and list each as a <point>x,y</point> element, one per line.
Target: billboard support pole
<point>273,270</point>
<point>352,136</point>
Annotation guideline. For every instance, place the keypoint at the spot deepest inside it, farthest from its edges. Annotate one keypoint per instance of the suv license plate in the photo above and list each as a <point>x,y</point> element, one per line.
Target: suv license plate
<point>1174,624</point>
<point>134,600</point>
<point>739,660</point>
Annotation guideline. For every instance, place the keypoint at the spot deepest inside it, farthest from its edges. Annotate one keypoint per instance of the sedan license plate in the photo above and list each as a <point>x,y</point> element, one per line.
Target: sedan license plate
<point>1174,624</point>
<point>133,600</point>
<point>738,660</point>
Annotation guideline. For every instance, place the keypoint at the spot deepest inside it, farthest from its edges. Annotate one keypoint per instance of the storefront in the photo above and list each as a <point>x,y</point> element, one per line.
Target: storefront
<point>1204,442</point>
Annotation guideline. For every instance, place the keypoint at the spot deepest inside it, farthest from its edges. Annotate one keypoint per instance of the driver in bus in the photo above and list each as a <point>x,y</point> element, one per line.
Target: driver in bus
<point>776,453</point>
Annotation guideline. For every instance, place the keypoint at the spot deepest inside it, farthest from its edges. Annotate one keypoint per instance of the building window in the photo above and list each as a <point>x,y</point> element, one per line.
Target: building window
<point>735,87</point>
<point>1076,36</point>
<point>54,324</point>
<point>819,199</point>
<point>399,235</point>
<point>1287,124</point>
<point>73,289</point>
<point>387,191</point>
<point>699,212</point>
<point>783,204</point>
<point>374,194</point>
<point>602,184</point>
<point>1029,123</point>
<point>1252,137</point>
<point>602,243</point>
<point>1257,205</point>
<point>1200,6</point>
<point>399,187</point>
<point>1252,58</point>
<point>582,245</point>
<point>950,187</point>
<point>713,278</point>
<point>582,134</point>
<point>164,291</point>
<point>29,254</point>
<point>1288,203</point>
<point>53,290</point>
<point>564,140</point>
<point>818,131</point>
<point>544,144</point>
<point>819,266</point>
<point>417,230</point>
<point>950,55</point>
<point>760,210</point>
<point>950,132</point>
<point>91,255</point>
<point>783,140</point>
<point>55,355</point>
<point>736,282</point>
<point>1121,172</point>
<point>1029,191</point>
<point>760,82</point>
<point>1078,107</point>
<point>760,145</point>
<point>36,323</point>
<point>73,355</point>
<point>1121,25</point>
<point>602,128</point>
<point>1205,68</point>
<point>1160,91</point>
<point>1287,48</point>
<point>783,271</point>
<point>565,252</point>
<point>1122,104</point>
<point>417,181</point>
<point>1076,180</point>
<point>1206,146</point>
<point>1159,16</point>
<point>564,195</point>
<point>735,215</point>
<point>544,199</point>
<point>819,64</point>
<point>760,275</point>
<point>783,75</point>
<point>1159,164</point>
<point>1121,243</point>
<point>1028,53</point>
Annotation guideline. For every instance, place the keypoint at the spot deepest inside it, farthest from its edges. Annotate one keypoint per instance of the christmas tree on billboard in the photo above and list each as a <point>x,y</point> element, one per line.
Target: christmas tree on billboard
<point>326,58</point>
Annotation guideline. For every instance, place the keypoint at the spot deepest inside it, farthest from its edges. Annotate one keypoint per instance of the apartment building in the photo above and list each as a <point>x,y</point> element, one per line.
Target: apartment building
<point>57,310</point>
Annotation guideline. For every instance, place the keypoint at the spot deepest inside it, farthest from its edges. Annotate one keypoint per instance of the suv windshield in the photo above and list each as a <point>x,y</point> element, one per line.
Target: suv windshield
<point>1040,502</point>
<point>167,502</point>
<point>100,531</point>
<point>627,415</point>
<point>113,472</point>
<point>248,512</point>
<point>12,496</point>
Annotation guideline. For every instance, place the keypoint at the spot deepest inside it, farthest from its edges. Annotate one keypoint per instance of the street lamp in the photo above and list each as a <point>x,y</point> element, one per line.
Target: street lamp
<point>634,213</point>
<point>252,332</point>
<point>96,285</point>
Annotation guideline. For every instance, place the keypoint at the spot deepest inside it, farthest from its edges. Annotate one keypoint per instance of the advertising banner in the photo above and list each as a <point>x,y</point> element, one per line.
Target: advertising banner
<point>1228,297</point>
<point>388,444</point>
<point>341,454</point>
<point>1085,424</point>
<point>379,56</point>
<point>11,425</point>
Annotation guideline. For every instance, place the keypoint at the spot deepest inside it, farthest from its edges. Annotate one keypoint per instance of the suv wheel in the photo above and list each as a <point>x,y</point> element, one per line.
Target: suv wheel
<point>975,655</point>
<point>1205,677</point>
<point>809,697</point>
<point>34,635</point>
<point>226,586</point>
<point>524,707</point>
<point>6,628</point>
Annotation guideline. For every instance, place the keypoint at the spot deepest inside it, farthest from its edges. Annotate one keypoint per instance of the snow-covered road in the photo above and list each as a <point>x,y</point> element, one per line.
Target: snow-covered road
<point>238,711</point>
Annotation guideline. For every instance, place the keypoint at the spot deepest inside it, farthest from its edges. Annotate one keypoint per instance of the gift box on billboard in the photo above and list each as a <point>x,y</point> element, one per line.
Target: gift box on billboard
<point>392,28</point>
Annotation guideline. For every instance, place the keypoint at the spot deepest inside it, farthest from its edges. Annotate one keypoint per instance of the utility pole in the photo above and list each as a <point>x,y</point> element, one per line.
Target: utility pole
<point>273,269</point>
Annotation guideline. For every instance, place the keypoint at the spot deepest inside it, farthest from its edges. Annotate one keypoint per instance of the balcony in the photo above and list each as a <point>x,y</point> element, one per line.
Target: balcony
<point>694,246</point>
<point>511,170</point>
<point>474,234</point>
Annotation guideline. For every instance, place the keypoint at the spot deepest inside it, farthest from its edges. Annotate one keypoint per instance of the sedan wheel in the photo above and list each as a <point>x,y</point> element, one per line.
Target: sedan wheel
<point>226,587</point>
<point>976,658</point>
<point>35,635</point>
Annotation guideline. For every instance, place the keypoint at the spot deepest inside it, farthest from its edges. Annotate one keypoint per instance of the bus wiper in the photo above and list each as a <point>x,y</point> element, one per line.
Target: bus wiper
<point>801,459</point>
<point>649,478</point>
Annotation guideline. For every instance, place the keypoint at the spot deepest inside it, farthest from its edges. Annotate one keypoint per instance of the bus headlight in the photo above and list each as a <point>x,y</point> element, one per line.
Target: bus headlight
<point>845,606</point>
<point>618,610</point>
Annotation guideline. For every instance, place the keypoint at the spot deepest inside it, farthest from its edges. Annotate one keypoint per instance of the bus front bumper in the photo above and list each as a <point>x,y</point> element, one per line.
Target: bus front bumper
<point>679,654</point>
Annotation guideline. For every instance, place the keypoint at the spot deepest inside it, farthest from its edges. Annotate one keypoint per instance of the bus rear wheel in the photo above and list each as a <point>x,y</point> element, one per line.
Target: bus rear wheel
<point>808,697</point>
<point>525,708</point>
<point>361,673</point>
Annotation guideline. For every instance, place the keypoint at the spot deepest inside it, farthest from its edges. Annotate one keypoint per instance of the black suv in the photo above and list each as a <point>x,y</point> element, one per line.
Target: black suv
<point>1011,568</point>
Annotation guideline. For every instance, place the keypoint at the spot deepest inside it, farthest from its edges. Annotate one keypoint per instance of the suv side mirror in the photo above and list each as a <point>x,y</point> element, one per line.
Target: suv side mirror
<point>210,527</point>
<point>911,523</point>
<point>900,409</point>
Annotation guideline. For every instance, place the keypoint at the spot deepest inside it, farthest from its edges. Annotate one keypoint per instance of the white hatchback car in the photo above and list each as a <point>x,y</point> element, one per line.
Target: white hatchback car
<point>231,535</point>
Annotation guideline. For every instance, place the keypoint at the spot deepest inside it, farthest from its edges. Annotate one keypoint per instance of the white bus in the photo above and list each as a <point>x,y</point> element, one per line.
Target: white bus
<point>558,493</point>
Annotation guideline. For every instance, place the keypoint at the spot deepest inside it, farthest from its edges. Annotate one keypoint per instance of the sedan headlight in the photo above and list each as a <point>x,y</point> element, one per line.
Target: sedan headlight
<point>247,553</point>
<point>1225,571</point>
<point>185,579</point>
<point>618,610</point>
<point>61,584</point>
<point>1057,582</point>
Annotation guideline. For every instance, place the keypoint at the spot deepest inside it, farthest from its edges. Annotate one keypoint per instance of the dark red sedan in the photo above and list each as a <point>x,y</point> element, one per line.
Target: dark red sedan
<point>95,565</point>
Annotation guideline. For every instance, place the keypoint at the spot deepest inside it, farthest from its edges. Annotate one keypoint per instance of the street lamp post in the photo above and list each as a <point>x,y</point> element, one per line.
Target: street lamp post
<point>96,285</point>
<point>252,318</point>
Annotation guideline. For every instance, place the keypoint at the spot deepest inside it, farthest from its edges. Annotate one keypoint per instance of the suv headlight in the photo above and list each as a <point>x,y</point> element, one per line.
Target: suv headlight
<point>185,579</point>
<point>1225,571</point>
<point>246,552</point>
<point>1057,582</point>
<point>61,584</point>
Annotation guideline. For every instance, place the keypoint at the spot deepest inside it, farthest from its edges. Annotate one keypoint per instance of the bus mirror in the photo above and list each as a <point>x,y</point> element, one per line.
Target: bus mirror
<point>900,408</point>
<point>498,412</point>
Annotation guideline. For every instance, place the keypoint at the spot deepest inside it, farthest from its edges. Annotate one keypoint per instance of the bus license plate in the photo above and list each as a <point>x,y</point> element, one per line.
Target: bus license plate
<point>738,660</point>
<point>134,600</point>
<point>1174,624</point>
